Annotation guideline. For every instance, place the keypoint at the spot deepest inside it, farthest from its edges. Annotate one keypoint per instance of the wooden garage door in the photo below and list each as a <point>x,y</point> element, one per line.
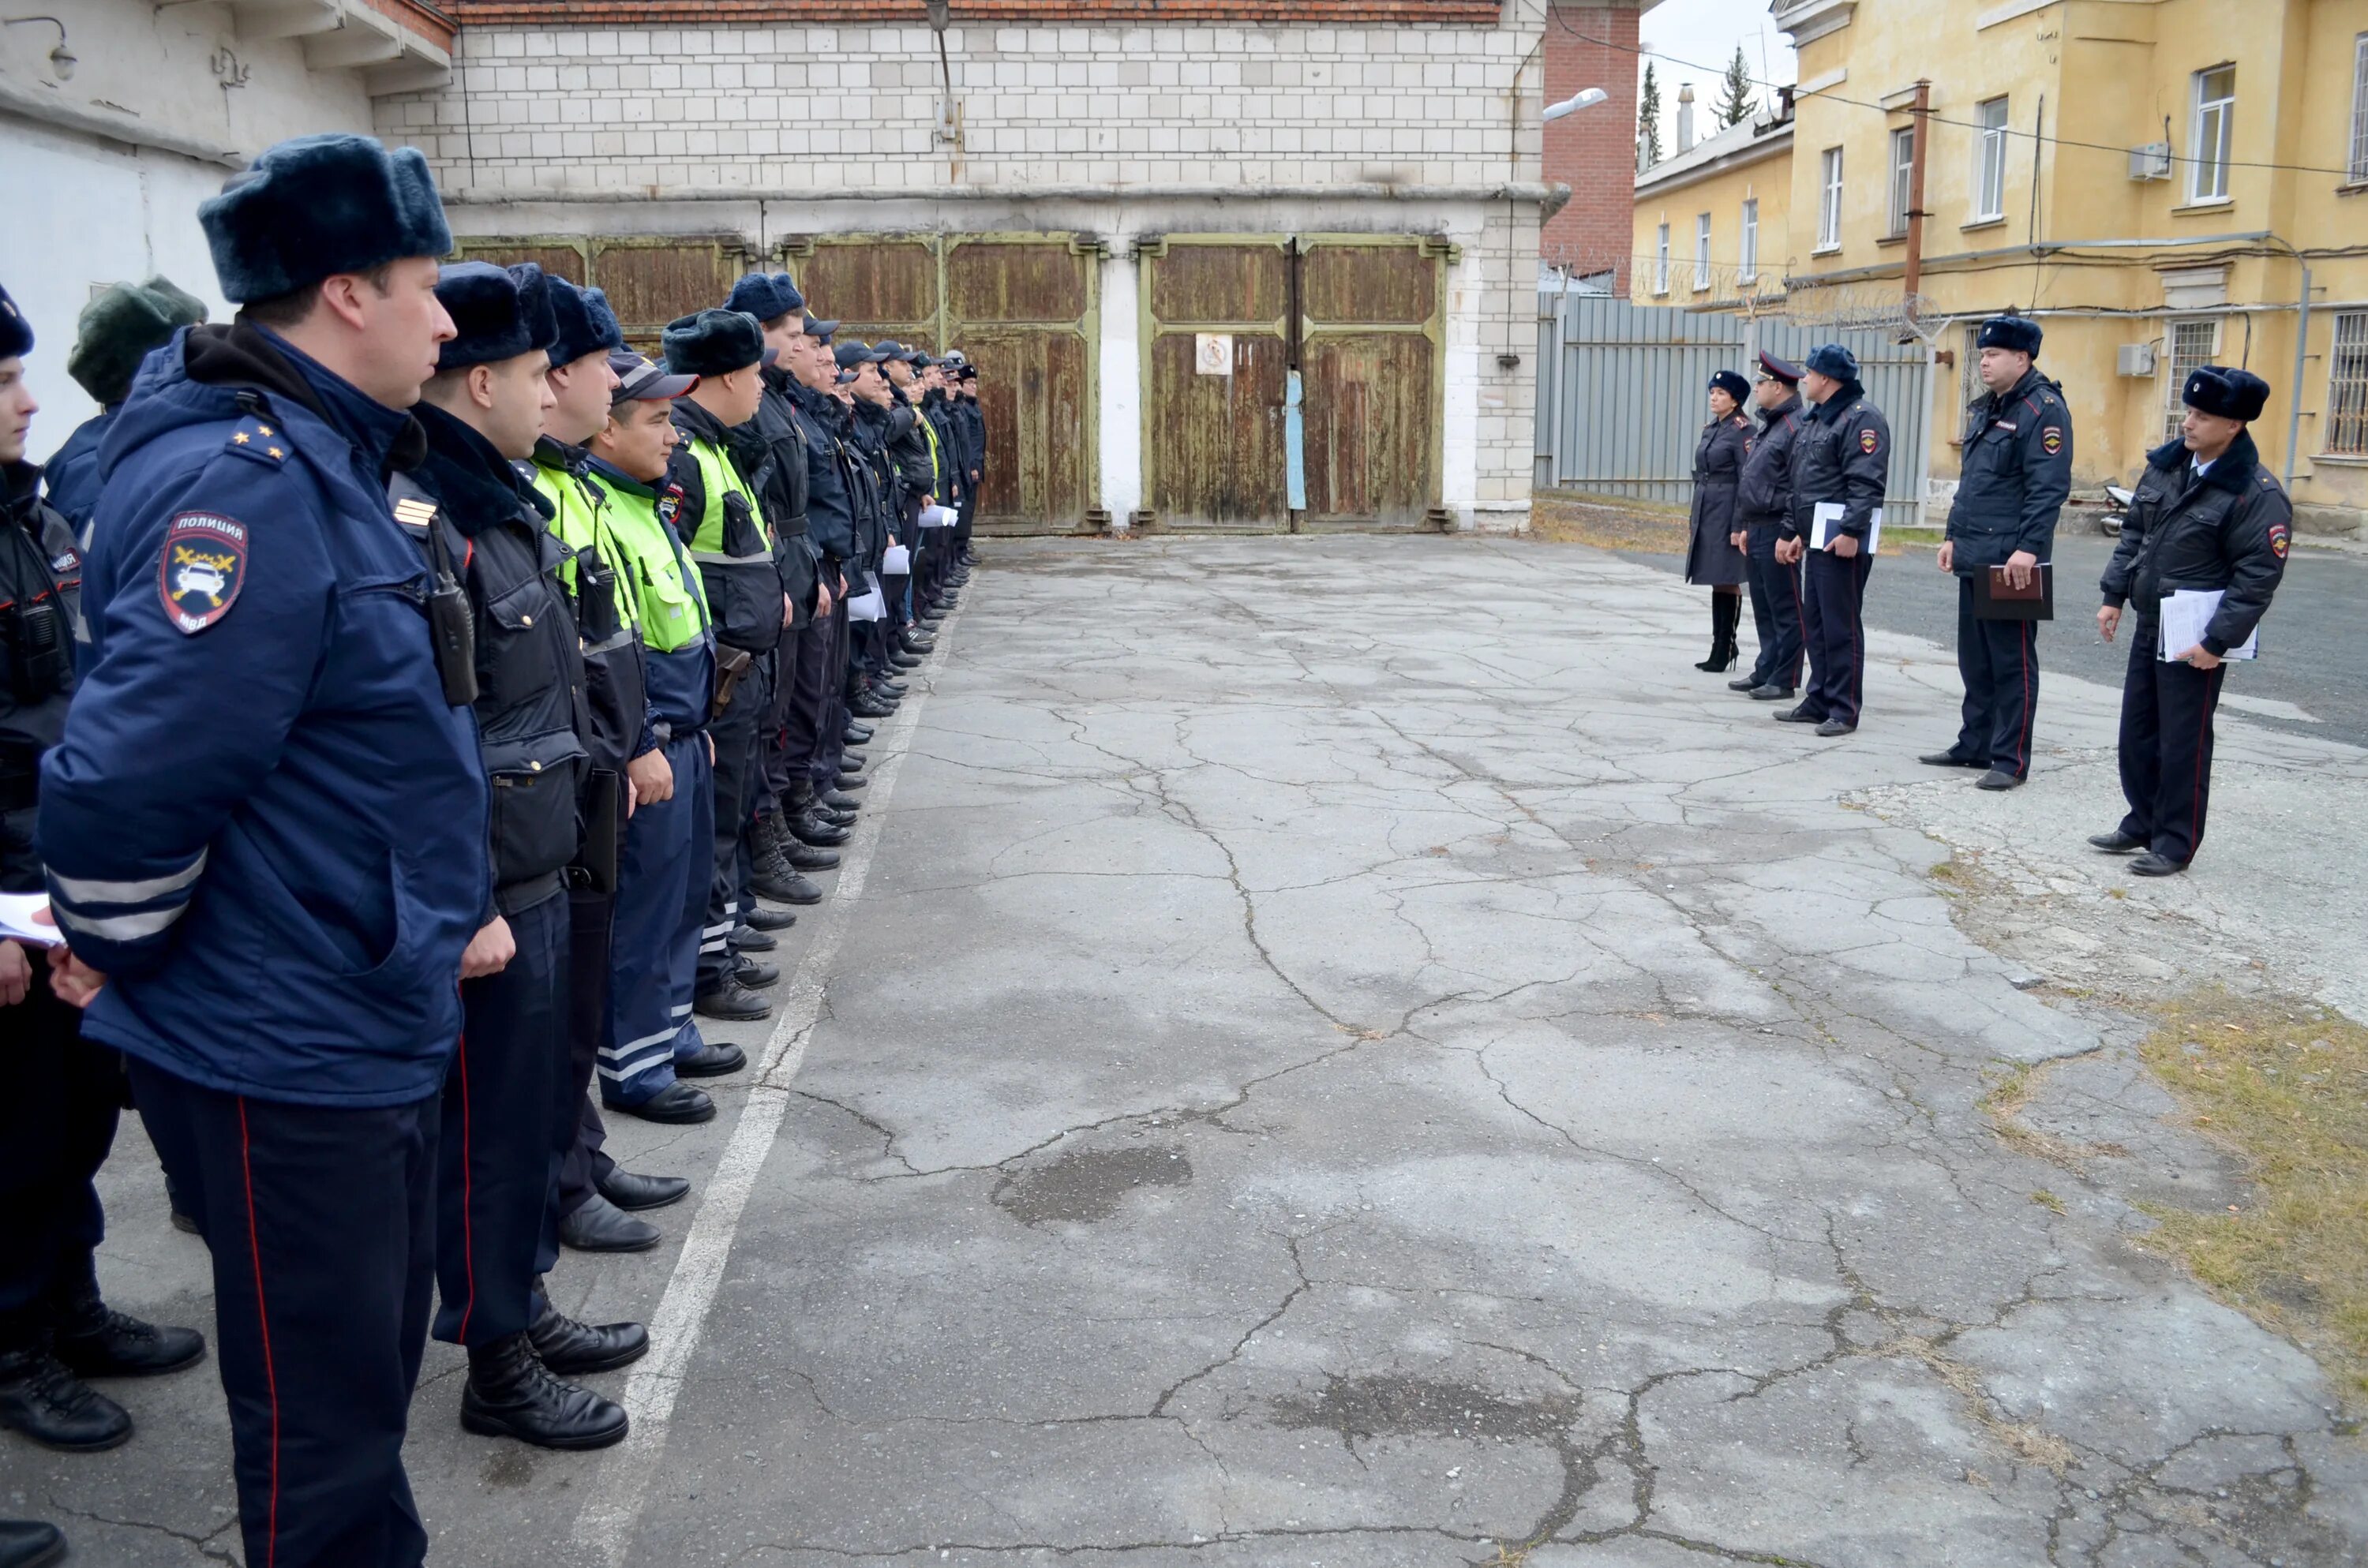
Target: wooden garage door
<point>1213,433</point>
<point>1370,351</point>
<point>649,282</point>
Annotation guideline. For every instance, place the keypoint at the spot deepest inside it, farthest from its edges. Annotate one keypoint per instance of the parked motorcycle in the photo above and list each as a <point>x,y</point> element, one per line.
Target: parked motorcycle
<point>2120,499</point>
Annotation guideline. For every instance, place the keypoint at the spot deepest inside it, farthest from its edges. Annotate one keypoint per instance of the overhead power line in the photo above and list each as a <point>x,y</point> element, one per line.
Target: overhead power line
<point>1937,119</point>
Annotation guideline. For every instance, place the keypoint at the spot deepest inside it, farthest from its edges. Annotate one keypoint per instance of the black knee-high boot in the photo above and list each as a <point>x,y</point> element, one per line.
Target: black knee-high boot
<point>1725,610</point>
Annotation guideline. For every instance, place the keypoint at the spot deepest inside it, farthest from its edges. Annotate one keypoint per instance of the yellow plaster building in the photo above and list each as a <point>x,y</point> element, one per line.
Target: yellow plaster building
<point>2150,178</point>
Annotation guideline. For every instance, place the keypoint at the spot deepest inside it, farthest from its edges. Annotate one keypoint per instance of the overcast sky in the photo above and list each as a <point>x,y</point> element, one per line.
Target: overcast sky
<point>1705,33</point>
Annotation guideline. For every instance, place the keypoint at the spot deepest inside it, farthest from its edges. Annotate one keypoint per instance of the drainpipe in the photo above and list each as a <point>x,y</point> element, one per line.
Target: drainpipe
<point>1914,271</point>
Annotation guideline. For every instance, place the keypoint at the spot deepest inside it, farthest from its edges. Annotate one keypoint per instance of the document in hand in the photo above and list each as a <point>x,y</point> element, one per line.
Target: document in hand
<point>940,516</point>
<point>16,923</point>
<point>1825,520</point>
<point>1997,598</point>
<point>896,563</point>
<point>869,605</point>
<point>2187,614</point>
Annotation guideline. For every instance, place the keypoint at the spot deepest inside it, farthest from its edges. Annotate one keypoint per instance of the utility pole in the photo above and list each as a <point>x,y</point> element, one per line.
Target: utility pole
<point>1914,279</point>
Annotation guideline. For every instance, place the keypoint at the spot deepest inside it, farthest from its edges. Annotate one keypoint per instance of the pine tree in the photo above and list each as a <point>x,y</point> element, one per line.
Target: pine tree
<point>1648,120</point>
<point>1735,106</point>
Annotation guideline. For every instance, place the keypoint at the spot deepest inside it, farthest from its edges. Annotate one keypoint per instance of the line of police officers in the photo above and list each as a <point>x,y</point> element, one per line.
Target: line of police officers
<point>1787,511</point>
<point>409,694</point>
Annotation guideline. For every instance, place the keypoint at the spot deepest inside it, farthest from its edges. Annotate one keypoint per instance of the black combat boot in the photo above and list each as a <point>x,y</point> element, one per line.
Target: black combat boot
<point>29,1543</point>
<point>570,1349</point>
<point>94,1341</point>
<point>511,1394</point>
<point>48,1404</point>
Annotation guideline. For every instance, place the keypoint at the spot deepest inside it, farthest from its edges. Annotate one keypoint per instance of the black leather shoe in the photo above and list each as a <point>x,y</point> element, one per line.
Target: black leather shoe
<point>1748,683</point>
<point>29,1543</point>
<point>2116,842</point>
<point>511,1394</point>
<point>1833,727</point>
<point>1771,693</point>
<point>809,828</point>
<point>1800,716</point>
<point>917,643</point>
<point>570,1349</point>
<point>763,919</point>
<point>891,689</point>
<point>731,1002</point>
<point>864,708</point>
<point>187,1225</point>
<point>601,1226</point>
<point>853,781</point>
<point>782,885</point>
<point>631,1190</point>
<point>854,734</point>
<point>94,1341</point>
<point>838,817</point>
<point>838,798</point>
<point>1951,759</point>
<point>1996,779</point>
<point>853,756</point>
<point>754,975</point>
<point>746,938</point>
<point>900,660</point>
<point>806,857</point>
<point>48,1404</point>
<point>2153,865</point>
<point>676,1105</point>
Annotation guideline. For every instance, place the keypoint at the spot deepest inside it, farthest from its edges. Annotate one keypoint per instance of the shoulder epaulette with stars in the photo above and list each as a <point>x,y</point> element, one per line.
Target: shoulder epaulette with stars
<point>259,437</point>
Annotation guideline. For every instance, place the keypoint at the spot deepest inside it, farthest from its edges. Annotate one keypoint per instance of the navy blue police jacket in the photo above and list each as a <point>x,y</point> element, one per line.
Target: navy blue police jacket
<point>264,822</point>
<point>830,511</point>
<point>71,476</point>
<point>2015,477</point>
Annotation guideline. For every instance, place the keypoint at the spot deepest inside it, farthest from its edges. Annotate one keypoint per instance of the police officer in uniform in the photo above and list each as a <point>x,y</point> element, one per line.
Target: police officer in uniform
<point>2017,475</point>
<point>480,523</point>
<point>1763,506</point>
<point>1712,556</point>
<point>265,826</point>
<point>58,1118</point>
<point>669,867</point>
<point>1840,457</point>
<point>974,475</point>
<point>819,729</point>
<point>723,522</point>
<point>118,329</point>
<point>2207,516</point>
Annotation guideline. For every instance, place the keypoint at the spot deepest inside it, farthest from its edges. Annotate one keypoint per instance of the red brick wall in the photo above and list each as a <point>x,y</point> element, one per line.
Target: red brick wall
<point>1594,150</point>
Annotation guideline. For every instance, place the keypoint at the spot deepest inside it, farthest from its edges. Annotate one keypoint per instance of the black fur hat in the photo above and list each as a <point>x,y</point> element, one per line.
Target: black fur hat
<point>2230,394</point>
<point>318,205</point>
<point>586,325</point>
<point>1734,385</point>
<point>16,331</point>
<point>2020,335</point>
<point>768,296</point>
<point>498,312</point>
<point>713,343</point>
<point>120,327</point>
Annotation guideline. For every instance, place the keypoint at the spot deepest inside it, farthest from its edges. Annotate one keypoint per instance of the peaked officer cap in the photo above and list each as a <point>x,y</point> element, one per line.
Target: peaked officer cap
<point>713,343</point>
<point>765,295</point>
<point>2230,394</point>
<point>16,331</point>
<point>316,206</point>
<point>586,323</point>
<point>120,327</point>
<point>1729,382</point>
<point>851,354</point>
<point>817,327</point>
<point>2017,333</point>
<point>498,313</point>
<point>638,380</point>
<point>1833,359</point>
<point>1784,371</point>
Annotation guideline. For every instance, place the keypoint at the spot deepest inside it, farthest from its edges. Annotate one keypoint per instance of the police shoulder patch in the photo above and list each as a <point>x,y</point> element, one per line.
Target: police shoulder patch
<point>2051,439</point>
<point>1868,442</point>
<point>202,570</point>
<point>2280,539</point>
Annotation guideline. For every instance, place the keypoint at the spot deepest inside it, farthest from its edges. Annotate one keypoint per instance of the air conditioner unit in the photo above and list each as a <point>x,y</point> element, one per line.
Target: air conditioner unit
<point>2151,161</point>
<point>2134,360</point>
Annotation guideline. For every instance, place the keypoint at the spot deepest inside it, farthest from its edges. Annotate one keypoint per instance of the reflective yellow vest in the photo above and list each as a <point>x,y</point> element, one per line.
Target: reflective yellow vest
<point>670,605</point>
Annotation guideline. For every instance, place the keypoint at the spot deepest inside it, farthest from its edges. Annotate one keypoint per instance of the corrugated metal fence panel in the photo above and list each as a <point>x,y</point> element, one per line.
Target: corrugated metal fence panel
<point>1621,389</point>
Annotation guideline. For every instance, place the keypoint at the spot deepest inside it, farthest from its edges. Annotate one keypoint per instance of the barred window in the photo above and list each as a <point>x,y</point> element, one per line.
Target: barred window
<point>2347,387</point>
<point>2188,344</point>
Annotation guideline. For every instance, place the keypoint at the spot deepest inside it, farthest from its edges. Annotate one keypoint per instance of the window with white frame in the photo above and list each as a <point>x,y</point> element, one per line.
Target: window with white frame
<point>1702,251</point>
<point>1751,251</point>
<point>2359,110</point>
<point>1661,262</point>
<point>1903,176</point>
<point>1989,166</point>
<point>2347,387</point>
<point>2189,343</point>
<point>2216,133</point>
<point>1829,205</point>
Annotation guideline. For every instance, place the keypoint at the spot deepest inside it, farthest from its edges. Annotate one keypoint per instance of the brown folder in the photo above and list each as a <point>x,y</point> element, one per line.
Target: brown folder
<point>1995,598</point>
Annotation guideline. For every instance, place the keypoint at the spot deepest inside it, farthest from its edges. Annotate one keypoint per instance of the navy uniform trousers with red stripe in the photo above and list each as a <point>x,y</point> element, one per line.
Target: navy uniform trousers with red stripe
<point>321,1224</point>
<point>509,1089</point>
<point>2166,748</point>
<point>1999,663</point>
<point>1834,631</point>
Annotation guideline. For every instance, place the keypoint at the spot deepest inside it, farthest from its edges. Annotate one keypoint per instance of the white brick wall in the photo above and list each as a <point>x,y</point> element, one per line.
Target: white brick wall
<point>548,131</point>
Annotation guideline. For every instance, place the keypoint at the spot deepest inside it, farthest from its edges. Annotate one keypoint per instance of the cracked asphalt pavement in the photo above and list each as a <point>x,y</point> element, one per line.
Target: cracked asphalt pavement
<point>1352,1053</point>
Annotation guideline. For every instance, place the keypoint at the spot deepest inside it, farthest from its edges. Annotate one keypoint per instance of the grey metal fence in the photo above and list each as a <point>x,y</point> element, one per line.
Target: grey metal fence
<point>1621,391</point>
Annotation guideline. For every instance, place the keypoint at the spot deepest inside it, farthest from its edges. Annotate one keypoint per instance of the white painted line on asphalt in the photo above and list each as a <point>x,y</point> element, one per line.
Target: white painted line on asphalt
<point>604,1530</point>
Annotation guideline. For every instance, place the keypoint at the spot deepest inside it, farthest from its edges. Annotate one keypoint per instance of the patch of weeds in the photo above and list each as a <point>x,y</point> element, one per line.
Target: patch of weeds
<point>2009,1091</point>
<point>2048,1201</point>
<point>2283,1085</point>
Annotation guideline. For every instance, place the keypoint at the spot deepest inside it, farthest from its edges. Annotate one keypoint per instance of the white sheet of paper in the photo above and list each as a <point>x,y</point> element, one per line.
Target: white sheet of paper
<point>2187,615</point>
<point>869,605</point>
<point>1827,513</point>
<point>939,516</point>
<point>896,563</point>
<point>17,920</point>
